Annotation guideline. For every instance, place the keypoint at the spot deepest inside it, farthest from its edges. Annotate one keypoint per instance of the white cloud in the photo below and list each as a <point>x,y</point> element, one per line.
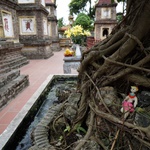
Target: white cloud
<point>63,9</point>
<point>119,7</point>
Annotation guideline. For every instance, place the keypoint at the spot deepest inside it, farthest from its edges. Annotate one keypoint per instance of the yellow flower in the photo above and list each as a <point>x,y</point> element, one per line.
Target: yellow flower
<point>68,33</point>
<point>87,33</point>
<point>77,34</point>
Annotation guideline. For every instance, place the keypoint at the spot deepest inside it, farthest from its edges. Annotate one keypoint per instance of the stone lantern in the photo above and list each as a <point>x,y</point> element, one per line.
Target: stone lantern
<point>70,18</point>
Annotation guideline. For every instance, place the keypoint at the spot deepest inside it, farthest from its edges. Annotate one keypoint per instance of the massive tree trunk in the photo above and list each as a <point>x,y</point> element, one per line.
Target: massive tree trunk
<point>121,60</point>
<point>106,73</point>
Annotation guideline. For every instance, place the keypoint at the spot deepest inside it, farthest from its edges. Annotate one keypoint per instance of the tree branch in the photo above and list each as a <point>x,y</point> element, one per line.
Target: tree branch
<point>122,73</point>
<point>137,40</point>
<point>123,64</point>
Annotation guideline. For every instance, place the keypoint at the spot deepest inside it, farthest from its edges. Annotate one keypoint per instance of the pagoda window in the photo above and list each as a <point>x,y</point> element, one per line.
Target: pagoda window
<point>105,32</point>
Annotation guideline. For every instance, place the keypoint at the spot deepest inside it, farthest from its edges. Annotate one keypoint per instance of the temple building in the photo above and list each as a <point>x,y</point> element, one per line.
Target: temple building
<point>105,19</point>
<point>35,26</point>
<point>28,30</point>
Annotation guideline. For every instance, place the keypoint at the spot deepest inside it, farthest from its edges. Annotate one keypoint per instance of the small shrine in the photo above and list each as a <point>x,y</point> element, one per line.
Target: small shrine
<point>105,19</point>
<point>33,26</point>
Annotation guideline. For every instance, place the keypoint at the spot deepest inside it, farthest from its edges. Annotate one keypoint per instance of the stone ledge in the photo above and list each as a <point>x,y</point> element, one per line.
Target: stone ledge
<point>12,89</point>
<point>72,59</point>
<point>7,77</point>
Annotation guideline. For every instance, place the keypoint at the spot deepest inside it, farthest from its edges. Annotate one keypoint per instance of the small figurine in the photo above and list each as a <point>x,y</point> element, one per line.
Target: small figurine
<point>130,102</point>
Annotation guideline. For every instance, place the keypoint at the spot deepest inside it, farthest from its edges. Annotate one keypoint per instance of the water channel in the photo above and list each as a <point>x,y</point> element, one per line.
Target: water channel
<point>21,139</point>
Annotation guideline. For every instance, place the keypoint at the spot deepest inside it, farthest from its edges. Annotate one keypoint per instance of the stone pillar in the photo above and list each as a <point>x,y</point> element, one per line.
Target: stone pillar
<point>52,25</point>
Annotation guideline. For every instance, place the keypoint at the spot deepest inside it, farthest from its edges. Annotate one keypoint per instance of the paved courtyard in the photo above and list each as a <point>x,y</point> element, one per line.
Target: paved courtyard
<point>38,71</point>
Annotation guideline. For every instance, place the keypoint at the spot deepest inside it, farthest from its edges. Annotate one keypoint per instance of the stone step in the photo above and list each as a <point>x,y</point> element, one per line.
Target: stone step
<point>13,55</point>
<point>12,89</point>
<point>3,65</point>
<point>19,60</point>
<point>9,55</point>
<point>14,63</point>
<point>20,64</point>
<point>2,58</point>
<point>11,58</point>
<point>8,77</point>
<point>5,70</point>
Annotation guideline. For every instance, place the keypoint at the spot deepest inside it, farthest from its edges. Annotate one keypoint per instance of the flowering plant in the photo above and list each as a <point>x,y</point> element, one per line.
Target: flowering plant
<point>77,34</point>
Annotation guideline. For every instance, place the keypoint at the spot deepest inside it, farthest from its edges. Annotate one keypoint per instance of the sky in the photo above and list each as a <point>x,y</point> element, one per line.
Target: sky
<point>63,10</point>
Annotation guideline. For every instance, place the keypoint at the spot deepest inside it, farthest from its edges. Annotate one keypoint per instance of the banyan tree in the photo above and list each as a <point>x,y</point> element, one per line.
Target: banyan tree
<point>106,73</point>
<point>120,61</point>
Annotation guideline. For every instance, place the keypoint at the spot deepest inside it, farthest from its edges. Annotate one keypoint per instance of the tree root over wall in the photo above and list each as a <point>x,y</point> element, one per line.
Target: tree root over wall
<point>121,60</point>
<point>106,73</point>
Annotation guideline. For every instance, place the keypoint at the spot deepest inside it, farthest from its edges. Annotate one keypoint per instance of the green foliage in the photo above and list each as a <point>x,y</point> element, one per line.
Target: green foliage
<point>60,138</point>
<point>67,129</point>
<point>76,6</point>
<point>79,129</point>
<point>79,6</point>
<point>119,17</point>
<point>91,13</point>
<point>61,22</point>
<point>80,39</point>
<point>85,21</point>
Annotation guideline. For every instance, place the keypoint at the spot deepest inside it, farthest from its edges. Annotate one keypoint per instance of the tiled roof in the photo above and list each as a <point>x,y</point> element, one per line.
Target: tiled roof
<point>101,2</point>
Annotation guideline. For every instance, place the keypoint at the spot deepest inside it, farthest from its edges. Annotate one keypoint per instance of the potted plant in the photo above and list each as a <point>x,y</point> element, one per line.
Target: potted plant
<point>78,36</point>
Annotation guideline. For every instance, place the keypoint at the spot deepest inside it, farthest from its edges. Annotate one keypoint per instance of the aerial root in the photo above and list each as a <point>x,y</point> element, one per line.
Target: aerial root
<point>89,131</point>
